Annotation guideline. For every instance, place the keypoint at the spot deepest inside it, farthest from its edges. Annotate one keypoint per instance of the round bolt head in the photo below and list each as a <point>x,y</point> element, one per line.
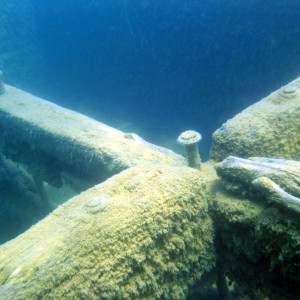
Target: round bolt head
<point>189,137</point>
<point>290,89</point>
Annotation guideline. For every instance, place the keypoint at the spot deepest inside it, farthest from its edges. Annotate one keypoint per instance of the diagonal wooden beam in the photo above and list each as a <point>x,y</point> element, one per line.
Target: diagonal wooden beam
<point>52,140</point>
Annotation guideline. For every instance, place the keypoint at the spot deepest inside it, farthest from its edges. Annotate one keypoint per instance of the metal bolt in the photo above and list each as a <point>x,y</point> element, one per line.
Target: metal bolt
<point>2,88</point>
<point>190,139</point>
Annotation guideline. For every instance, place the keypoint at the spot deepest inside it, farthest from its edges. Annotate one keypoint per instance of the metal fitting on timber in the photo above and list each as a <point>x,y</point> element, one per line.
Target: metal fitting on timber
<point>190,139</point>
<point>2,88</point>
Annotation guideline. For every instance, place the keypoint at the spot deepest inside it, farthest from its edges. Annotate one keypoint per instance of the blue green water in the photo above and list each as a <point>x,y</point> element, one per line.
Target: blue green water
<point>160,67</point>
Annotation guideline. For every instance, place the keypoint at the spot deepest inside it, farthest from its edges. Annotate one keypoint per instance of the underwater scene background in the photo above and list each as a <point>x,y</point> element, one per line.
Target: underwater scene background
<point>155,68</point>
<point>91,212</point>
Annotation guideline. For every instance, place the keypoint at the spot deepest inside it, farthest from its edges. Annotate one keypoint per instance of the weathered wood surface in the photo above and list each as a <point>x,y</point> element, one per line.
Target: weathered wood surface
<point>53,140</point>
<point>277,179</point>
<point>268,128</point>
<point>142,234</point>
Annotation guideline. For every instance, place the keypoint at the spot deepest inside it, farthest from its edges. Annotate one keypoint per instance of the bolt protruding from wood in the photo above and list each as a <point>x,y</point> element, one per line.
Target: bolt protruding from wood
<point>190,140</point>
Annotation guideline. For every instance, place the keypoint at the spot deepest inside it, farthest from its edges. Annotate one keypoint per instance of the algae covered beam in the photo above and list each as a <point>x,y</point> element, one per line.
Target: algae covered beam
<point>52,141</point>
<point>143,234</point>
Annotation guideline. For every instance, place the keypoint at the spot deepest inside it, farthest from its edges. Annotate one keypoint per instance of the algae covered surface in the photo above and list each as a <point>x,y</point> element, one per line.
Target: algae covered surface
<point>258,239</point>
<point>142,234</point>
<point>259,246</point>
<point>160,230</point>
<point>269,128</point>
<point>56,141</point>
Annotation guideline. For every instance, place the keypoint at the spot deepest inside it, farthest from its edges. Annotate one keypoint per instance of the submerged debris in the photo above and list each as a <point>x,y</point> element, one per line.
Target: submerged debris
<point>278,180</point>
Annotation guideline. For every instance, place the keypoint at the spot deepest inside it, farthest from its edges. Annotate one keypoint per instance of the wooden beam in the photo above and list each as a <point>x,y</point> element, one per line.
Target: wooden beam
<point>52,141</point>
